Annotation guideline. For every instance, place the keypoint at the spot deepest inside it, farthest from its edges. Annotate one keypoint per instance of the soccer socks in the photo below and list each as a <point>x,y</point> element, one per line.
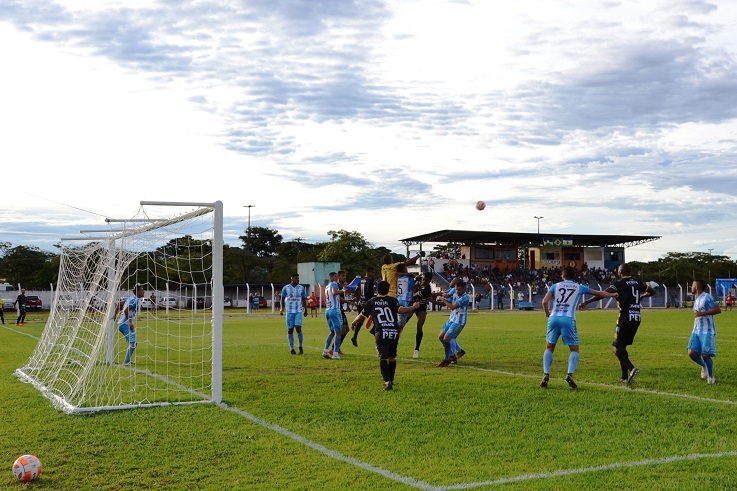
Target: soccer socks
<point>392,367</point>
<point>336,347</point>
<point>624,361</point>
<point>572,361</point>
<point>709,362</point>
<point>700,361</point>
<point>300,338</point>
<point>384,366</point>
<point>329,340</point>
<point>129,353</point>
<point>547,361</point>
<point>418,340</point>
<point>290,337</point>
<point>447,350</point>
<point>454,346</point>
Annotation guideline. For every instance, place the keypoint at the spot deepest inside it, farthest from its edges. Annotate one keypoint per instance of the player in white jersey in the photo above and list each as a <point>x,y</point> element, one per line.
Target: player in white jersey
<point>294,299</point>
<point>334,316</point>
<point>406,287</point>
<point>562,321</point>
<point>457,302</point>
<point>702,346</point>
<point>126,323</point>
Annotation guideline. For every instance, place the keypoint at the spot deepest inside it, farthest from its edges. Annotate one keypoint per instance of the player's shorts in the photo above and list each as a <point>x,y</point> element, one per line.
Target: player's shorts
<point>386,342</point>
<point>422,307</point>
<point>130,334</point>
<point>452,329</point>
<point>343,318</point>
<point>294,319</point>
<point>334,320</point>
<point>562,326</point>
<point>703,344</point>
<point>625,334</point>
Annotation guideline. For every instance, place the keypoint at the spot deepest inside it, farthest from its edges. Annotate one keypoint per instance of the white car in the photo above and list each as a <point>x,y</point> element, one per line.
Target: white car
<point>146,303</point>
<point>227,302</point>
<point>170,302</point>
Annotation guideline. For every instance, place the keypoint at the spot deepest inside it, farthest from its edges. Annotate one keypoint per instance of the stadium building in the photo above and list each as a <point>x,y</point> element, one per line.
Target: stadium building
<point>508,251</point>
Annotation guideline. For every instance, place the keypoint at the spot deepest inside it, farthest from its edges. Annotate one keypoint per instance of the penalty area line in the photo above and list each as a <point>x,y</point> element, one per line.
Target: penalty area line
<point>584,470</point>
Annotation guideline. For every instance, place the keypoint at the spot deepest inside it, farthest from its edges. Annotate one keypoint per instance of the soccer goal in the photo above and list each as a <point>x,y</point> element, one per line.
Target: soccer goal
<point>79,361</point>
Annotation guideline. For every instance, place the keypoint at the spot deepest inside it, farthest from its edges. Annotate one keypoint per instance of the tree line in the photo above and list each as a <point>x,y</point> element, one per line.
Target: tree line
<point>264,257</point>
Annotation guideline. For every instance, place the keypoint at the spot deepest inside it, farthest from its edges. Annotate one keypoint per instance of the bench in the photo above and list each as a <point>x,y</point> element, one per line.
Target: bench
<point>526,306</point>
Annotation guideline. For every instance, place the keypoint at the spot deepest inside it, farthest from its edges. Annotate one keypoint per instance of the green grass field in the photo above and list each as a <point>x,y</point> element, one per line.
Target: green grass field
<point>303,422</point>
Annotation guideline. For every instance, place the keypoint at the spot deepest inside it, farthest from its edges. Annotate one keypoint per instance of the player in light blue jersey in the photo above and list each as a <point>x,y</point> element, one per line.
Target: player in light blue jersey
<point>294,299</point>
<point>702,346</point>
<point>457,302</point>
<point>126,323</point>
<point>334,316</point>
<point>406,287</point>
<point>562,321</point>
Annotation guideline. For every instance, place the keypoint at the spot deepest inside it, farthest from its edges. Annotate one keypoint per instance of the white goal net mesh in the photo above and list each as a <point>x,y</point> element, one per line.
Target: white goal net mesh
<point>80,361</point>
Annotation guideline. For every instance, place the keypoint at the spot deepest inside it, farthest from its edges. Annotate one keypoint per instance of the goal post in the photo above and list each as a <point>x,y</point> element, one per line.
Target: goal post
<point>84,362</point>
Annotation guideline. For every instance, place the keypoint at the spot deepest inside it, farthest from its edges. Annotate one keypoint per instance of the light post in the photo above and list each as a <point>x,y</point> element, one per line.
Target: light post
<point>248,231</point>
<point>538,223</point>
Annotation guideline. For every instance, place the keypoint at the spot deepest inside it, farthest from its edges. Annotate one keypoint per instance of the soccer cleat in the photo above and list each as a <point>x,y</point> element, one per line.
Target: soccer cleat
<point>710,380</point>
<point>300,351</point>
<point>704,372</point>
<point>571,382</point>
<point>623,380</point>
<point>453,359</point>
<point>388,385</point>
<point>330,352</point>
<point>443,363</point>
<point>544,381</point>
<point>416,354</point>
<point>336,356</point>
<point>354,341</point>
<point>633,375</point>
<point>293,352</point>
<point>326,354</point>
<point>460,354</point>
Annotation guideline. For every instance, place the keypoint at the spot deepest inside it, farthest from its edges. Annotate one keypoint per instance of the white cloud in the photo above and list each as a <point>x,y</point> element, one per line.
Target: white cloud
<point>605,117</point>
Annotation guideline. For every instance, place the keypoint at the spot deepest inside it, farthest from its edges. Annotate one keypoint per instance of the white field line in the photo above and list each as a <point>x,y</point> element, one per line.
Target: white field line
<point>583,470</point>
<point>332,453</point>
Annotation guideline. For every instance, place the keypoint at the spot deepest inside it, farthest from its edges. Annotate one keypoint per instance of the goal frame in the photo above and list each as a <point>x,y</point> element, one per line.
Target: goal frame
<point>217,309</point>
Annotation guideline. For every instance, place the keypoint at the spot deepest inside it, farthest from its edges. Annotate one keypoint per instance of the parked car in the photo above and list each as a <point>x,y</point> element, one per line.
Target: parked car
<point>170,302</point>
<point>200,303</point>
<point>227,302</point>
<point>146,303</point>
<point>33,302</point>
<point>8,303</point>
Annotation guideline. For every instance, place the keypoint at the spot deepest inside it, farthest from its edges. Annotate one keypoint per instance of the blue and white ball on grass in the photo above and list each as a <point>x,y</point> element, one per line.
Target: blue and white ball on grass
<point>27,468</point>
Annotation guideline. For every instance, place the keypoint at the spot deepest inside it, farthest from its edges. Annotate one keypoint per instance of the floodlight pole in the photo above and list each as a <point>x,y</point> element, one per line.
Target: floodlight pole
<point>538,223</point>
<point>248,231</point>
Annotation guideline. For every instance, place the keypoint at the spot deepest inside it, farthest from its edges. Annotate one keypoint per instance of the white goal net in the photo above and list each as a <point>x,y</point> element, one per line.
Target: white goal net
<point>86,359</point>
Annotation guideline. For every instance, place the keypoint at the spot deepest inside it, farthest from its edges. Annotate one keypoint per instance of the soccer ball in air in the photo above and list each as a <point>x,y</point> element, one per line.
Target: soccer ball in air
<point>480,205</point>
<point>27,468</point>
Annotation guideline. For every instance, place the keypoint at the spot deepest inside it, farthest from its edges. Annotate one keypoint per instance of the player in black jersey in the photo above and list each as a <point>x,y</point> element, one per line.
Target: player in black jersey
<point>385,310</point>
<point>364,292</point>
<point>424,297</point>
<point>630,291</point>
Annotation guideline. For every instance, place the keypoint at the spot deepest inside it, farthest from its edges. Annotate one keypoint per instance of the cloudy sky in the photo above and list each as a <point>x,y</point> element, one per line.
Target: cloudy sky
<point>389,118</point>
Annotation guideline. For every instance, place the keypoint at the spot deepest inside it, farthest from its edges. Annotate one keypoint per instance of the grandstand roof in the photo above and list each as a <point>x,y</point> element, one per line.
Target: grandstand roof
<point>524,239</point>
